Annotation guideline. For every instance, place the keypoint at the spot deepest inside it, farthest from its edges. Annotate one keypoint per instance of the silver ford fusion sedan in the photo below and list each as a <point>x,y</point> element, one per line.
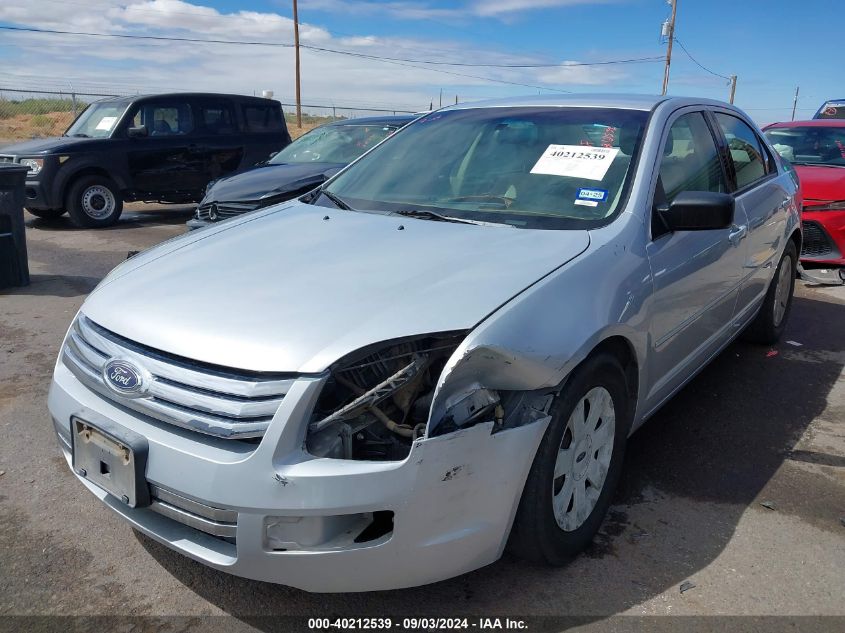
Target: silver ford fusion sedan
<point>437,354</point>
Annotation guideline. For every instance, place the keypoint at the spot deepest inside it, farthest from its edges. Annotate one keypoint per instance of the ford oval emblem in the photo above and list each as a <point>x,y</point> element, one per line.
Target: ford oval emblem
<point>123,377</point>
<point>212,212</point>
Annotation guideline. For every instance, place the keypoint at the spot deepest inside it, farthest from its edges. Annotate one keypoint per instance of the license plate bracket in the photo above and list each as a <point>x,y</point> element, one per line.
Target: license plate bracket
<point>113,458</point>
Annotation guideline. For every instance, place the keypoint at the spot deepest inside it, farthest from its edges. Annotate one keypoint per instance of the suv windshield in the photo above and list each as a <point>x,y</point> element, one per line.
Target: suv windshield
<point>531,167</point>
<point>97,121</point>
<point>809,145</point>
<point>333,144</point>
<point>831,110</point>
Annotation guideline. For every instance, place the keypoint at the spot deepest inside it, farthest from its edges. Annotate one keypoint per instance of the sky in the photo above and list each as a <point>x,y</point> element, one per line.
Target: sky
<point>770,45</point>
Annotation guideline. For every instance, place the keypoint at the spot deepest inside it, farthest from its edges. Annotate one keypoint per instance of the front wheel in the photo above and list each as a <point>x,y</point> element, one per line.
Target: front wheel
<point>770,322</point>
<point>577,467</point>
<point>94,202</point>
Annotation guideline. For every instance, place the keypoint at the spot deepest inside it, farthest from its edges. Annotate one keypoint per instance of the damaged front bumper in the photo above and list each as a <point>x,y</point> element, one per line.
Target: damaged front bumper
<point>272,512</point>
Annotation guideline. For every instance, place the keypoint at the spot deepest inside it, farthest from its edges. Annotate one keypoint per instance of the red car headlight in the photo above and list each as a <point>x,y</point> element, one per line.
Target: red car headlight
<point>838,205</point>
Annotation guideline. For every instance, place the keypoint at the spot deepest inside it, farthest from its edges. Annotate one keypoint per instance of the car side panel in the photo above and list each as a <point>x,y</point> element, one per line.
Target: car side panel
<point>771,209</point>
<point>697,276</point>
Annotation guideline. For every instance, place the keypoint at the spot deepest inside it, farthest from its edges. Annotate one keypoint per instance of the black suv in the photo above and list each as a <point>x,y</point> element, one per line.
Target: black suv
<point>163,148</point>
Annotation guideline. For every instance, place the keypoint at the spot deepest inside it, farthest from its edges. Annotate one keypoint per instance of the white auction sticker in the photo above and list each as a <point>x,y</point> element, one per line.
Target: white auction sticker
<point>106,123</point>
<point>576,161</point>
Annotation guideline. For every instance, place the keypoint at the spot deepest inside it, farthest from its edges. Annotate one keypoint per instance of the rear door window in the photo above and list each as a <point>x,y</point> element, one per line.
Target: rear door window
<point>164,119</point>
<point>750,160</point>
<point>262,118</point>
<point>216,118</point>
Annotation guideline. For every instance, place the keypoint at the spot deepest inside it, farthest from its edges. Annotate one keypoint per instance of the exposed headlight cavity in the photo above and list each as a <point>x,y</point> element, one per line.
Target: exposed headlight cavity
<point>376,401</point>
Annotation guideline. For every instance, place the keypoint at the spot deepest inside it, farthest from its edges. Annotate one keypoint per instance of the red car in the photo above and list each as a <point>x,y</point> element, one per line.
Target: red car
<point>817,150</point>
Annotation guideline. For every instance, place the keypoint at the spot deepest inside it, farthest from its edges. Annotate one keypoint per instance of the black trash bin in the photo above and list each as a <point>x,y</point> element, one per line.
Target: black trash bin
<point>14,267</point>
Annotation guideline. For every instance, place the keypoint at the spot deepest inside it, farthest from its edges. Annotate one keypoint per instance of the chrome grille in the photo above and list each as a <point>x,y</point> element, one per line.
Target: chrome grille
<point>225,209</point>
<point>220,402</point>
<point>5,158</point>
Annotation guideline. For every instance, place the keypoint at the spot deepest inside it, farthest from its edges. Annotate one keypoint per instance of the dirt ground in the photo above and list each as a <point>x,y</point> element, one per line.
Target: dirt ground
<point>737,486</point>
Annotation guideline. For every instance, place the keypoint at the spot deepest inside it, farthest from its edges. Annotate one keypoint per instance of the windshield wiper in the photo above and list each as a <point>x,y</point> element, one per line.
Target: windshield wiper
<point>338,202</point>
<point>80,135</point>
<point>423,214</point>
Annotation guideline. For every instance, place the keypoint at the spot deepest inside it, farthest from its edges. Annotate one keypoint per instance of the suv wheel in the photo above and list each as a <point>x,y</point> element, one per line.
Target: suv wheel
<point>47,214</point>
<point>576,469</point>
<point>94,201</point>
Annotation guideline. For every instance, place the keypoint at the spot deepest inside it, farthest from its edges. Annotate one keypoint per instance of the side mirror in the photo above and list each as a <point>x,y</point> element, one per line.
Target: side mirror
<point>698,211</point>
<point>138,131</point>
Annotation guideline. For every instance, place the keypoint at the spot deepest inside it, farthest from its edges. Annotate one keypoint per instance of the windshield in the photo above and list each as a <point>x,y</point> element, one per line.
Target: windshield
<point>832,110</point>
<point>97,121</point>
<point>809,145</point>
<point>539,167</point>
<point>333,144</point>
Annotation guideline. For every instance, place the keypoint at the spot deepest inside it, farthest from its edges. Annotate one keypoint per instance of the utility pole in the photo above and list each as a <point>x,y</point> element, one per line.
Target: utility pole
<point>795,103</point>
<point>296,46</point>
<point>733,88</point>
<point>671,35</point>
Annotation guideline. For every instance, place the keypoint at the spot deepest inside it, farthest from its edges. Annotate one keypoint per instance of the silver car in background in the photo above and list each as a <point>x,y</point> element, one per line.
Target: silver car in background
<point>437,354</point>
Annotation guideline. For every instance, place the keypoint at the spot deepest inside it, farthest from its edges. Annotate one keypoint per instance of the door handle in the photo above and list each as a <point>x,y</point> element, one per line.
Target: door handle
<point>737,234</point>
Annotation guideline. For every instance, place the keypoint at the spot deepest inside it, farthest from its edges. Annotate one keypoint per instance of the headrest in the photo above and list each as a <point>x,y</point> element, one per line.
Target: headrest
<point>628,138</point>
<point>517,133</point>
<point>669,147</point>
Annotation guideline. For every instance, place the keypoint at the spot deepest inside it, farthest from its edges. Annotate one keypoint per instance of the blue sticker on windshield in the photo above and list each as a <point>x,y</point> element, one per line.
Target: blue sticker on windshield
<point>599,195</point>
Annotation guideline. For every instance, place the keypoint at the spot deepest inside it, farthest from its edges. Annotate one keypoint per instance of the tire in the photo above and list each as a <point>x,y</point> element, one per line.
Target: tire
<point>94,202</point>
<point>542,533</point>
<point>770,322</point>
<point>46,214</point>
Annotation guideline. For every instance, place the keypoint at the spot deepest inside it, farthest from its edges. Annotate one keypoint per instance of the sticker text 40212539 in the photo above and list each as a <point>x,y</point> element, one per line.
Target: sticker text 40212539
<point>576,161</point>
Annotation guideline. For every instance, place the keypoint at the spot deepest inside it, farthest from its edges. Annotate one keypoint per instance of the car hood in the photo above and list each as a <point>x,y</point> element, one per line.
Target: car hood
<point>295,287</point>
<point>821,183</point>
<point>270,181</point>
<point>48,145</point>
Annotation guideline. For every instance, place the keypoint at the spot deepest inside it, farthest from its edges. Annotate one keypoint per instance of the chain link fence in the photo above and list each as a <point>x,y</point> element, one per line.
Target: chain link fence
<point>27,114</point>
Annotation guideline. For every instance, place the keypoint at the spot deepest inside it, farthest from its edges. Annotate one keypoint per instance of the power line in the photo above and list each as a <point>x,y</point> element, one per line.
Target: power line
<point>696,62</point>
<point>233,16</point>
<point>635,60</point>
<point>284,45</point>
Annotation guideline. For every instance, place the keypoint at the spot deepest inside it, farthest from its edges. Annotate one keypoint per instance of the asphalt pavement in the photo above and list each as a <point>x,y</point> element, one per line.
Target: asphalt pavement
<point>736,487</point>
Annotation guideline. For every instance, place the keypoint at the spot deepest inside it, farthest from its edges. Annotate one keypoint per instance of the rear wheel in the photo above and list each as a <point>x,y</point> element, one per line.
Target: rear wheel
<point>94,202</point>
<point>47,214</point>
<point>577,467</point>
<point>770,322</point>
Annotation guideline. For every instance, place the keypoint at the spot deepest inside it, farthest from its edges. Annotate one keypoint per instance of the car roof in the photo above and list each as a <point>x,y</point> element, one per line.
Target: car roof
<point>376,120</point>
<point>184,95</point>
<point>623,101</point>
<point>809,123</point>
